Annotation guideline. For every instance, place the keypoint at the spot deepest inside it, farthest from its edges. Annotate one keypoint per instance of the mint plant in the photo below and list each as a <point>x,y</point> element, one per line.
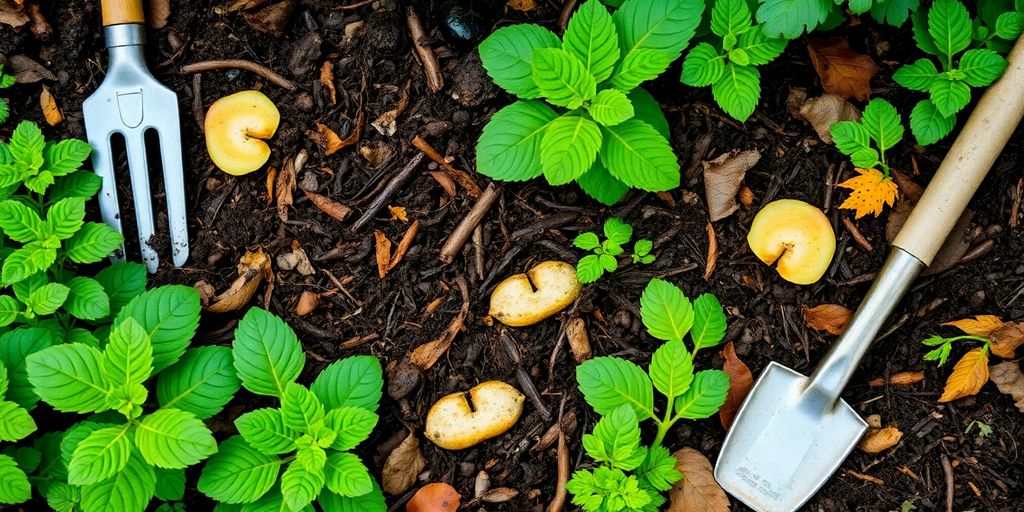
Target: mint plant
<point>617,234</point>
<point>729,65</point>
<point>629,475</point>
<point>5,82</point>
<point>999,24</point>
<point>866,141</point>
<point>310,435</point>
<point>601,129</point>
<point>791,18</point>
<point>946,34</point>
<point>15,425</point>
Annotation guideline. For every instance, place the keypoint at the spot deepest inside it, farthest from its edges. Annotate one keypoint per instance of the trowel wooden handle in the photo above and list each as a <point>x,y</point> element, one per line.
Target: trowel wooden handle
<point>116,12</point>
<point>969,159</point>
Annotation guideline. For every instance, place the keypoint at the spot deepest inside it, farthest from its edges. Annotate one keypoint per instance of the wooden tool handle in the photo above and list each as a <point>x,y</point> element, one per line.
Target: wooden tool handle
<point>116,12</point>
<point>969,159</point>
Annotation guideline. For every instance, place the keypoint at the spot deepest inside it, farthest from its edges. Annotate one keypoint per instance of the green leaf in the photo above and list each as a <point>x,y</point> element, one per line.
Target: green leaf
<point>928,125</point>
<point>128,356</point>
<point>170,315</point>
<point>982,67</point>
<point>608,382</point>
<point>610,107</point>
<point>601,185</point>
<point>372,501</point>
<point>789,18</point>
<point>708,322</point>
<point>643,247</point>
<point>300,486</point>
<point>730,17</point>
<point>170,484</point>
<point>591,38</point>
<point>659,469</point>
<point>355,381</point>
<point>587,241</point>
<point>608,262</point>
<point>300,408</point>
<point>705,396</point>
<point>918,76</point>
<point>47,299</point>
<point>569,148</point>
<point>69,377</point>
<point>26,145</point>
<point>62,497</point>
<point>265,430</point>
<point>637,155</point>
<point>14,485</point>
<point>893,12</point>
<point>617,231</point>
<point>664,26</point>
<point>665,310</point>
<point>202,382</point>
<point>702,66</point>
<point>32,258</point>
<point>15,347</point>
<point>1009,25</point>
<point>92,243</point>
<point>949,96</point>
<point>639,66</point>
<point>66,217</point>
<point>19,222</point>
<point>4,381</point>
<point>267,354</point>
<point>507,55</point>
<point>66,156</point>
<point>174,439</point>
<point>74,436</point>
<point>852,138</point>
<point>77,184</point>
<point>87,299</point>
<point>122,282</point>
<point>589,269</point>
<point>924,40</point>
<point>616,439</point>
<point>509,146</point>
<point>129,490</point>
<point>100,456</point>
<point>352,424</point>
<point>40,182</point>
<point>238,473</point>
<point>738,90</point>
<point>949,24</point>
<point>647,109</point>
<point>312,457</point>
<point>562,79</point>
<point>22,289</point>
<point>15,422</point>
<point>671,369</point>
<point>883,123</point>
<point>760,48</point>
<point>346,474</point>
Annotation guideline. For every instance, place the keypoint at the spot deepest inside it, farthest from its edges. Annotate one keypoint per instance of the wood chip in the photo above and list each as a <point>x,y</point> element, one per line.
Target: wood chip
<point>327,80</point>
<point>253,267</point>
<point>712,255</point>
<point>383,252</point>
<point>329,206</point>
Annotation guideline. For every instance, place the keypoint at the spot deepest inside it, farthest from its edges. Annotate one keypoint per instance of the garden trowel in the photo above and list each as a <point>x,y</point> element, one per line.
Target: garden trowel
<point>131,103</point>
<point>792,432</point>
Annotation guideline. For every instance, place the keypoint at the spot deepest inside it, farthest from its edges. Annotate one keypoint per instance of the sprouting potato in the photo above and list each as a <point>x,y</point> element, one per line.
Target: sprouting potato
<point>525,299</point>
<point>454,424</point>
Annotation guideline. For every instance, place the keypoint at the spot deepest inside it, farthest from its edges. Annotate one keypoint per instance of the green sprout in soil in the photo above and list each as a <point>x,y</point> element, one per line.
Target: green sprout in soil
<point>617,234</point>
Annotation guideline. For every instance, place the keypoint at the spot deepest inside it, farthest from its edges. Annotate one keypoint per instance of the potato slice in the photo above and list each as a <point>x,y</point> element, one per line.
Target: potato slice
<point>525,299</point>
<point>236,129</point>
<point>453,424</point>
<point>794,236</point>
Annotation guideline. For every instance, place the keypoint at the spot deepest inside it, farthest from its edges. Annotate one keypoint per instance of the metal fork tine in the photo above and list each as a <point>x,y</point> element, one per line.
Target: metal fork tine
<point>138,169</point>
<point>103,165</point>
<point>174,187</point>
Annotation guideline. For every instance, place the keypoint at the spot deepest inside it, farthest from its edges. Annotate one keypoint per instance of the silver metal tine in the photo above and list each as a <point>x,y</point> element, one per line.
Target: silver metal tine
<point>174,188</point>
<point>103,165</point>
<point>138,169</point>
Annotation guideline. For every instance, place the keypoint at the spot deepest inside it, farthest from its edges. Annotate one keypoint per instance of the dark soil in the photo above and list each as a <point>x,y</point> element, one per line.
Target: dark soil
<point>532,222</point>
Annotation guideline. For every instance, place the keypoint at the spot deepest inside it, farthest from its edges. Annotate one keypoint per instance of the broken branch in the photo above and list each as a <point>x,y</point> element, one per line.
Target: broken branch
<point>265,72</point>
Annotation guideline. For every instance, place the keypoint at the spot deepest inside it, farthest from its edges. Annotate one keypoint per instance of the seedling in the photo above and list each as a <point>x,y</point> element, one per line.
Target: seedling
<point>794,236</point>
<point>944,34</point>
<point>866,142</point>
<point>943,346</point>
<point>236,127</point>
<point>455,424</point>
<point>310,435</point>
<point>984,429</point>
<point>790,18</point>
<point>5,82</point>
<point>629,475</point>
<point>525,299</point>
<point>729,65</point>
<point>602,130</point>
<point>617,234</point>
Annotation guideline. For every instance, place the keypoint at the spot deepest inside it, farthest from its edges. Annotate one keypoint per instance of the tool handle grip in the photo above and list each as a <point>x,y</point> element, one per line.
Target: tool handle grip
<point>969,159</point>
<point>116,12</point>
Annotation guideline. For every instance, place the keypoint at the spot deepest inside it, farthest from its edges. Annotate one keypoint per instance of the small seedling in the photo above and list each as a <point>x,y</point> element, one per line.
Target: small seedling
<point>617,234</point>
<point>729,65</point>
<point>5,82</point>
<point>906,506</point>
<point>629,475</point>
<point>984,429</point>
<point>943,346</point>
<point>866,142</point>
<point>790,18</point>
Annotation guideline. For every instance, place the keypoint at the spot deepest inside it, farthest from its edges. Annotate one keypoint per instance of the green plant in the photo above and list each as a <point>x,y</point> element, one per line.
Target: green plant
<point>984,429</point>
<point>944,33</point>
<point>866,141</point>
<point>5,82</point>
<point>943,346</point>
<point>790,18</point>
<point>617,234</point>
<point>124,454</point>
<point>629,475</point>
<point>999,24</point>
<point>311,432</point>
<point>604,132</point>
<point>15,425</point>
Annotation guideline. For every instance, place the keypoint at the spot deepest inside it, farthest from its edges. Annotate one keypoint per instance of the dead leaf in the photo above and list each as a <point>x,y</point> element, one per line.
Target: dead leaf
<point>273,18</point>
<point>824,111</point>
<point>434,497</point>
<point>740,382</point>
<point>523,5</point>
<point>425,355</point>
<point>51,111</point>
<point>157,13</point>
<point>375,152</point>
<point>969,375</point>
<point>1006,339</point>
<point>28,71</point>
<point>271,178</point>
<point>697,491</point>
<point>284,187</point>
<point>499,495</point>
<point>871,191</point>
<point>711,261</point>
<point>898,379</point>
<point>329,206</point>
<point>403,245</point>
<point>327,80</point>
<point>877,440</point>
<point>842,71</point>
<point>980,325</point>
<point>579,340</point>
<point>387,123</point>
<point>722,178</point>
<point>747,197</point>
<point>296,260</point>
<point>12,15</point>
<point>253,267</point>
<point>827,317</point>
<point>398,213</point>
<point>383,251</point>
<point>1010,381</point>
<point>308,301</point>
<point>402,466</point>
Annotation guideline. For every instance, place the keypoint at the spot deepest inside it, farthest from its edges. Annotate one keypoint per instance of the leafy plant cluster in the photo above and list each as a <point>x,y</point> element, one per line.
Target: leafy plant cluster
<point>5,82</point>
<point>791,18</point>
<point>309,436</point>
<point>595,125</point>
<point>628,474</point>
<point>999,24</point>
<point>866,141</point>
<point>617,234</point>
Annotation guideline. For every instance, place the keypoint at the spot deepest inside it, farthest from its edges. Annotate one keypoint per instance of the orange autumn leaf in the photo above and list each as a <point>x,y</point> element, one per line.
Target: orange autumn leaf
<point>398,213</point>
<point>980,325</point>
<point>51,111</point>
<point>842,71</point>
<point>871,191</point>
<point>827,317</point>
<point>740,382</point>
<point>969,375</point>
<point>522,5</point>
<point>1006,339</point>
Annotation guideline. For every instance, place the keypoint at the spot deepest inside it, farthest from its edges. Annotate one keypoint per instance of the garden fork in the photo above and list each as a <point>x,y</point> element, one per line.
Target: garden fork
<point>130,102</point>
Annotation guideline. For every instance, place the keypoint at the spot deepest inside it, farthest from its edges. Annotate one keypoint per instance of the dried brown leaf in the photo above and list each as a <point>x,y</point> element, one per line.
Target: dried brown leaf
<point>499,495</point>
<point>1010,381</point>
<point>425,355</point>
<point>824,111</point>
<point>51,111</point>
<point>12,15</point>
<point>387,123</point>
<point>827,317</point>
<point>842,71</point>
<point>296,260</point>
<point>697,491</point>
<point>877,440</point>
<point>711,260</point>
<point>402,466</point>
<point>403,245</point>
<point>273,18</point>
<point>579,340</point>
<point>722,178</point>
<point>1006,339</point>
<point>899,379</point>
<point>383,252</point>
<point>271,178</point>
<point>329,206</point>
<point>522,5</point>
<point>398,213</point>
<point>157,13</point>
<point>740,382</point>
<point>375,152</point>
<point>327,80</point>
<point>253,267</point>
<point>27,71</point>
<point>308,302</point>
<point>969,375</point>
<point>284,187</point>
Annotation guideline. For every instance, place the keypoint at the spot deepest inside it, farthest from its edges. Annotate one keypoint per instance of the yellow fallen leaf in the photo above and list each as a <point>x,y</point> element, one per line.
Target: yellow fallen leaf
<point>871,191</point>
<point>1006,339</point>
<point>969,375</point>
<point>398,213</point>
<point>523,5</point>
<point>981,325</point>
<point>51,111</point>
<point>827,317</point>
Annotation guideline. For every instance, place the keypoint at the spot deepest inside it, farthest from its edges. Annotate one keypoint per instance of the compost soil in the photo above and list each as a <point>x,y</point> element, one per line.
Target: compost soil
<point>532,222</point>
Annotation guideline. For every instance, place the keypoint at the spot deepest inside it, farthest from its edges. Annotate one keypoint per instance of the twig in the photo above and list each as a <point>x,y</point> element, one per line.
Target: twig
<point>197,102</point>
<point>458,237</point>
<point>265,72</point>
<point>857,236</point>
<point>435,80</point>
<point>393,186</point>
<point>522,376</point>
<point>1015,208</point>
<point>563,21</point>
<point>558,502</point>
<point>478,245</point>
<point>352,6</point>
<point>979,251</point>
<point>460,176</point>
<point>947,468</point>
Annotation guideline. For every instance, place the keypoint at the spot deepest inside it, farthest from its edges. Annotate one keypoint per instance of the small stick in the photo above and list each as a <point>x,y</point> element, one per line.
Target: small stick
<point>558,502</point>
<point>524,378</point>
<point>478,245</point>
<point>352,6</point>
<point>435,80</point>
<point>458,175</point>
<point>1015,209</point>
<point>458,237</point>
<point>563,21</point>
<point>857,236</point>
<point>393,186</point>
<point>265,72</point>
<point>197,102</point>
<point>979,251</point>
<point>947,468</point>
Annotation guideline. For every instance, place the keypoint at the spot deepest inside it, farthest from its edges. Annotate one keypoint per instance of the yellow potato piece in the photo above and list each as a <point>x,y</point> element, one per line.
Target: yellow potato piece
<point>795,236</point>
<point>236,127</point>
<point>525,299</point>
<point>453,425</point>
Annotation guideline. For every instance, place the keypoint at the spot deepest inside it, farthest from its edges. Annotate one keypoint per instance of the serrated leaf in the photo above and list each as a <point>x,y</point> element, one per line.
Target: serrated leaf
<point>589,269</point>
<point>101,455</point>
<point>170,438</point>
<point>591,38</point>
<point>671,369</point>
<point>75,435</point>
<point>32,258</point>
<point>922,38</point>
<point>300,408</point>
<point>15,422</point>
<point>610,107</point>
<point>637,155</point>
<point>372,501</point>
<point>949,96</point>
<point>14,485</point>
<point>509,146</point>
<point>568,148</point>
<point>170,484</point>
<point>122,282</point>
<point>202,382</point>
<point>87,299</point>
<point>617,231</point>
<point>659,469</point>
<point>616,439</point>
<point>882,123</point>
<point>1009,25</point>
<point>352,425</point>
<point>265,431</point>
<point>65,217</point>
<point>77,184</point>
<point>852,138</point>
<point>665,26</point>
<point>949,25</point>
<point>969,375</point>
<point>702,66</point>
<point>647,109</point>
<point>312,457</point>
<point>760,48</point>
<point>871,191</point>
<point>666,312</point>
<point>346,475</point>
<point>705,396</point>
<point>709,322</point>
<point>351,382</point>
<point>299,486</point>
<point>608,382</point>
<point>267,354</point>
<point>639,66</point>
<point>47,299</point>
<point>170,315</point>
<point>129,490</point>
<point>918,76</point>
<point>928,125</point>
<point>26,144</point>
<point>738,90</point>
<point>62,497</point>
<point>19,222</point>
<point>15,347</point>
<point>69,377</point>
<point>587,241</point>
<point>92,243</point>
<point>601,185</point>
<point>238,473</point>
<point>730,17</point>
<point>981,67</point>
<point>790,18</point>
<point>608,262</point>
<point>893,12</point>
<point>4,380</point>
<point>507,55</point>
<point>128,356</point>
<point>562,79</point>
<point>66,156</point>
